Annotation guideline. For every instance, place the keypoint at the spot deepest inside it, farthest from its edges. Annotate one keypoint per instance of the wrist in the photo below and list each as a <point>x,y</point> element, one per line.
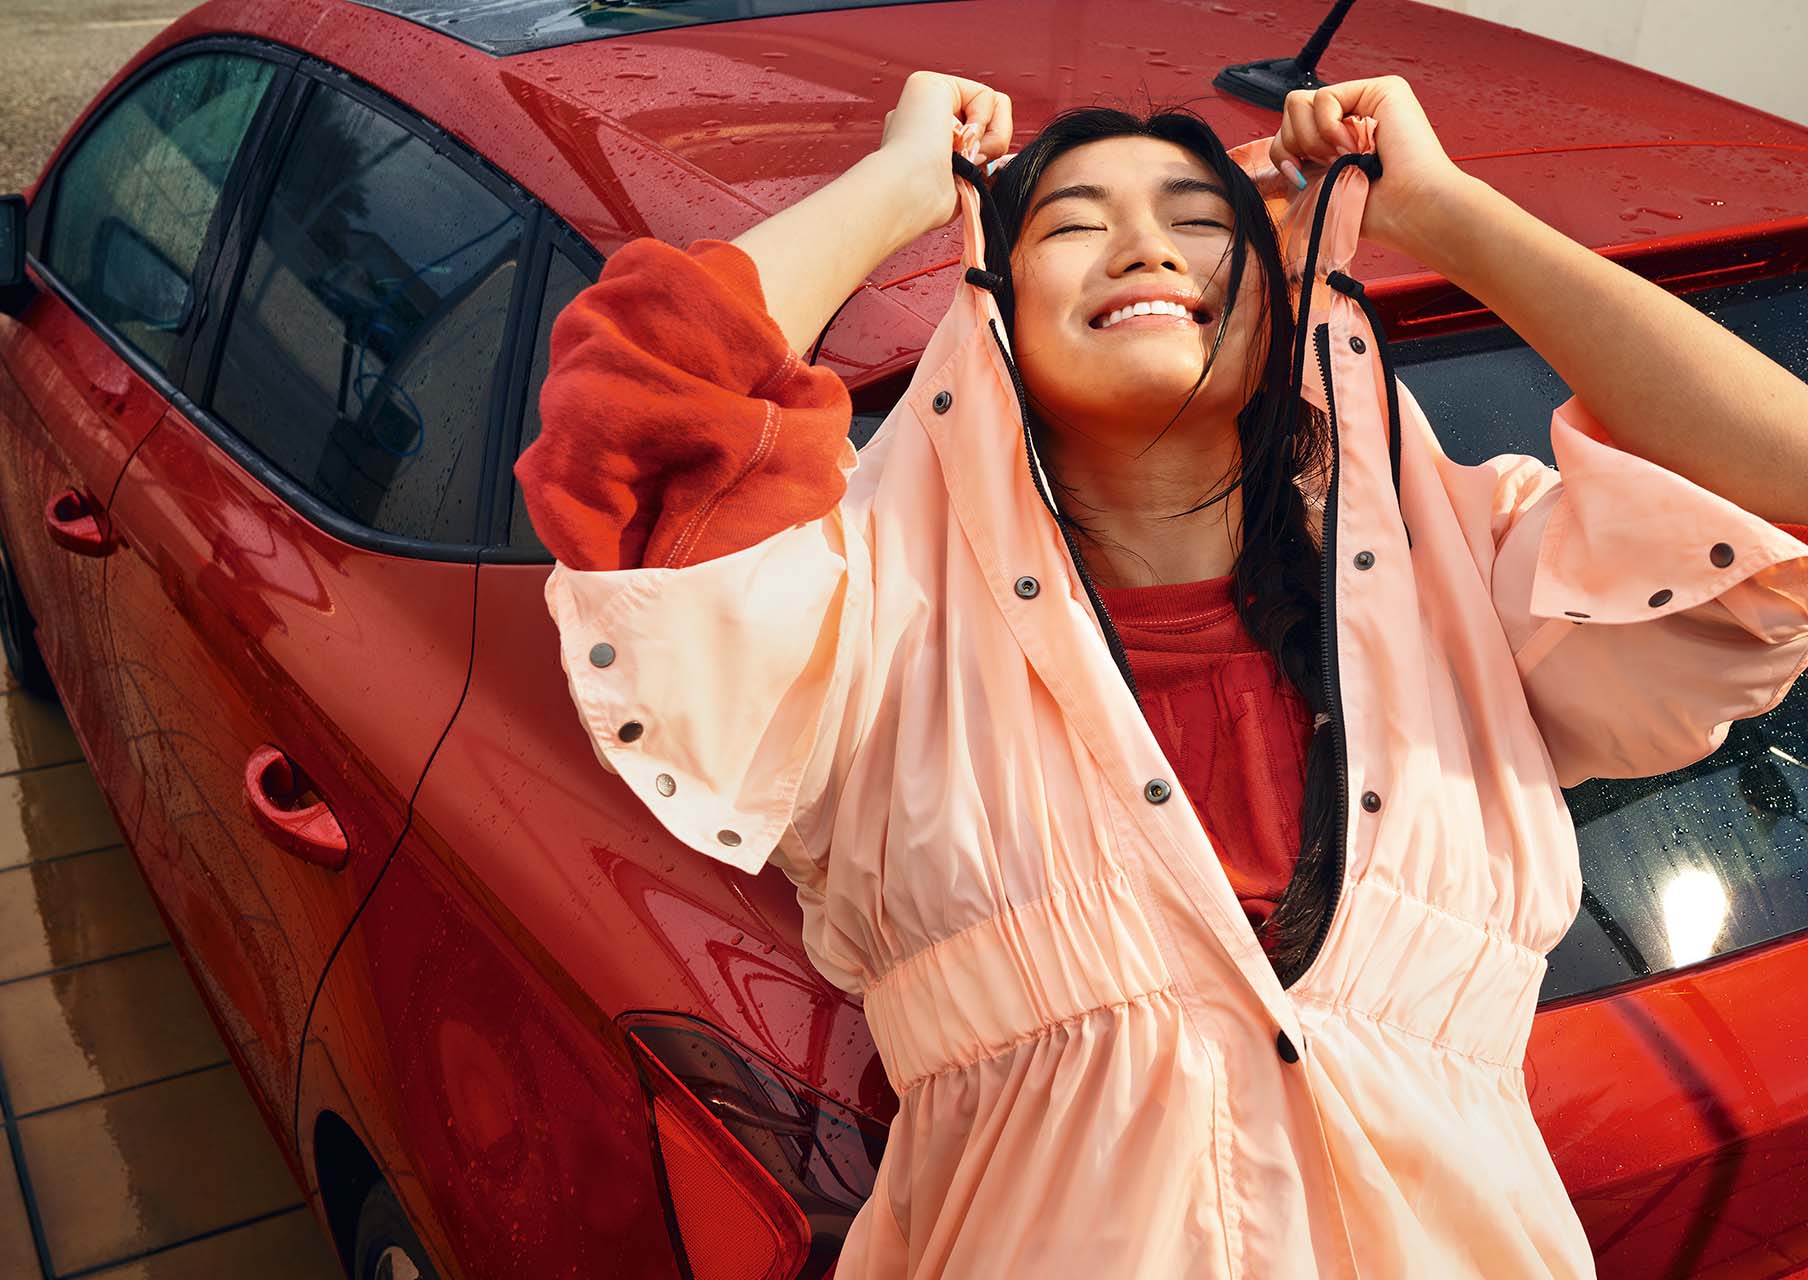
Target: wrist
<point>906,203</point>
<point>1442,229</point>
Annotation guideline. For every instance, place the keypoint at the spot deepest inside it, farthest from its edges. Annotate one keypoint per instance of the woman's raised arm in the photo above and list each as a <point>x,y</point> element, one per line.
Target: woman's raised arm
<point>1660,378</point>
<point>816,252</point>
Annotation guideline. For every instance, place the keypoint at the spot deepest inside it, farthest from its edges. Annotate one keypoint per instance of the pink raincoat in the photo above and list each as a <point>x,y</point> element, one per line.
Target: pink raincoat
<point>910,706</point>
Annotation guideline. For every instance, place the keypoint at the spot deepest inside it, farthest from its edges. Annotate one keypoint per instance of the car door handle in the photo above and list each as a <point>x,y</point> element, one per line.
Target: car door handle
<point>74,526</point>
<point>312,834</point>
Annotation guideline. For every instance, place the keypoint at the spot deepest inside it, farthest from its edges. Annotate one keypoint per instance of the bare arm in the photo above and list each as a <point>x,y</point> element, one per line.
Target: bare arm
<point>1668,383</point>
<point>813,254</point>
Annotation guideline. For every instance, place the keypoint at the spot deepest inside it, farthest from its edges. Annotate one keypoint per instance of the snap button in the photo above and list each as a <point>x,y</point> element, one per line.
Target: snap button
<point>601,655</point>
<point>1365,559</point>
<point>1027,587</point>
<point>941,402</point>
<point>1284,1047</point>
<point>665,784</point>
<point>1371,801</point>
<point>1157,790</point>
<point>1660,598</point>
<point>630,731</point>
<point>1721,554</point>
<point>1357,344</point>
<point>729,838</point>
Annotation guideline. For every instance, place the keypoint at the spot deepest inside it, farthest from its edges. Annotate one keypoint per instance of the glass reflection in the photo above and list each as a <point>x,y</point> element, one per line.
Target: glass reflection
<point>1694,907</point>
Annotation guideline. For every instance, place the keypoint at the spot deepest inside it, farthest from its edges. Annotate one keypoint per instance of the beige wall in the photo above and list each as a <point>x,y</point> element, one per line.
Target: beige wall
<point>1751,51</point>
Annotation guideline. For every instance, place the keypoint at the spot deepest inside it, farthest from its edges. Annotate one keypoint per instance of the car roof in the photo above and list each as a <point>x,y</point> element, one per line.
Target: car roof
<point>700,131</point>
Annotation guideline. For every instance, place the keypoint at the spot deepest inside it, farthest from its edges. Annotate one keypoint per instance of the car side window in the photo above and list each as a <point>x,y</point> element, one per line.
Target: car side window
<point>365,342</point>
<point>134,199</point>
<point>565,279</point>
<point>1710,859</point>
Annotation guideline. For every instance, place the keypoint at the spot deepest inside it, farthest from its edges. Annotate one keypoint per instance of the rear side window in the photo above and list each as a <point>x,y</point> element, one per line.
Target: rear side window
<point>1701,862</point>
<point>364,347</point>
<point>564,281</point>
<point>134,200</point>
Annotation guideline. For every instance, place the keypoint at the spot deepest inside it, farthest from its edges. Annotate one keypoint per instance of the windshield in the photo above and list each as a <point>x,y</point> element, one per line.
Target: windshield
<point>1710,859</point>
<point>519,26</point>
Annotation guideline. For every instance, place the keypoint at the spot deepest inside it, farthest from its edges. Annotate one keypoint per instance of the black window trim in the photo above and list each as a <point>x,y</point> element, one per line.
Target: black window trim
<point>167,383</point>
<point>312,76</point>
<point>554,234</point>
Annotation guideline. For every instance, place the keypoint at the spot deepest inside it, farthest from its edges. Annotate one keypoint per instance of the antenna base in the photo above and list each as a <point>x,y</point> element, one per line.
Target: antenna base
<point>1265,82</point>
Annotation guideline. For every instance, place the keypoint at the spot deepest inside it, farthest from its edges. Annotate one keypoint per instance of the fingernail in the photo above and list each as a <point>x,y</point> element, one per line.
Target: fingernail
<point>1292,171</point>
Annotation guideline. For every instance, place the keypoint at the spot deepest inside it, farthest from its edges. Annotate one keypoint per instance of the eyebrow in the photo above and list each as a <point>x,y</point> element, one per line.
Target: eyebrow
<point>1180,186</point>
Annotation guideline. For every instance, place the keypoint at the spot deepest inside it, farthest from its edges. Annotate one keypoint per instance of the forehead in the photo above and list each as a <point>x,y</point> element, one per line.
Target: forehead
<point>1123,166</point>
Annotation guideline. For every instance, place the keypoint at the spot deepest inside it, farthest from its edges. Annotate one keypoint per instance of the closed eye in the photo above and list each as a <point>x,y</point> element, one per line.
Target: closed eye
<point>1073,227</point>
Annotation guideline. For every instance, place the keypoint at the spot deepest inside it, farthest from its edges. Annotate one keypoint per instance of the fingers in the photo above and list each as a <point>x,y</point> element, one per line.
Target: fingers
<point>996,139</point>
<point>985,121</point>
<point>1313,125</point>
<point>981,116</point>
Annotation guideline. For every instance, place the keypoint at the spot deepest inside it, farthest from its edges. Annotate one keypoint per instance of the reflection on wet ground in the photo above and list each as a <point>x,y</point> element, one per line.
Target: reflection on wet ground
<point>132,1151</point>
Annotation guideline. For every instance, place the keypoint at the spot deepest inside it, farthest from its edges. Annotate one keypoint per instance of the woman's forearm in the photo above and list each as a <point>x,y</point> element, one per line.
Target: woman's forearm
<point>1667,382</point>
<point>813,254</point>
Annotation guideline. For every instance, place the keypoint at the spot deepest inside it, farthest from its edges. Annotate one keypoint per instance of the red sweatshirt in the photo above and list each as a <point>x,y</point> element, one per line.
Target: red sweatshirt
<point>678,425</point>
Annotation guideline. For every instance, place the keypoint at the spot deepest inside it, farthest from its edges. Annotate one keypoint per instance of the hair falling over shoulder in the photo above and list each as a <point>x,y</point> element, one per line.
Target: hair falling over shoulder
<point>1284,444</point>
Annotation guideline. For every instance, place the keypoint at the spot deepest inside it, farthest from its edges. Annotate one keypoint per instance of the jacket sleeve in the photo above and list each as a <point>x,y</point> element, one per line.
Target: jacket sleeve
<point>1645,612</point>
<point>709,590</point>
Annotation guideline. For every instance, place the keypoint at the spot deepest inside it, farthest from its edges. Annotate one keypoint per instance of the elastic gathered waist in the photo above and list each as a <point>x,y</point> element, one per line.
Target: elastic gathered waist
<point>1433,975</point>
<point>1011,978</point>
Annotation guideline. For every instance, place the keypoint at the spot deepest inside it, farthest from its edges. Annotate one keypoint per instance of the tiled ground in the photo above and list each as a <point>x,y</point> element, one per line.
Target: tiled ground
<point>132,1150</point>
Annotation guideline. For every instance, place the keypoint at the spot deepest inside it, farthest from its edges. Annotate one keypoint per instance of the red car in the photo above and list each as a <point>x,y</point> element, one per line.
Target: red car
<point>276,317</point>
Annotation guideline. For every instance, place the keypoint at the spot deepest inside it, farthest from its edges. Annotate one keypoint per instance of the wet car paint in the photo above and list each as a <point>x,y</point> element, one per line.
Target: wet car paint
<point>464,1029</point>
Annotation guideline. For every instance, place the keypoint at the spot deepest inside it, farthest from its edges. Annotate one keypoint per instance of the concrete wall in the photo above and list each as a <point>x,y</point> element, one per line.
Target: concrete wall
<point>1751,51</point>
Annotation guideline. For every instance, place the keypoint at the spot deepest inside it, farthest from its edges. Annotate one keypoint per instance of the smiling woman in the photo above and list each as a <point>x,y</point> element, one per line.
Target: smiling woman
<point>1121,538</point>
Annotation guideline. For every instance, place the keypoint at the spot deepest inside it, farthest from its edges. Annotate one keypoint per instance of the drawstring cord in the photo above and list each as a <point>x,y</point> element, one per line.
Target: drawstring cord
<point>1353,287</point>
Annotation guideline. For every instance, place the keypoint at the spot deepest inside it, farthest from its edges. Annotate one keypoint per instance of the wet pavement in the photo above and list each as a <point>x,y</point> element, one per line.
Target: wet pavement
<point>132,1149</point>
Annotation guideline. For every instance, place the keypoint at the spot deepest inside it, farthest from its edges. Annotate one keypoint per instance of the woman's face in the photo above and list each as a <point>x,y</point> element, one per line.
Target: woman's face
<point>1112,223</point>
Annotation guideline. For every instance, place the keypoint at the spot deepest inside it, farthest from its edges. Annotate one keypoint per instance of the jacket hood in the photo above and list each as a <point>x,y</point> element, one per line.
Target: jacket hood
<point>1317,231</point>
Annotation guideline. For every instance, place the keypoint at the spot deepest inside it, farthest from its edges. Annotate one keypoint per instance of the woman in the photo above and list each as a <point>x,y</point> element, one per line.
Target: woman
<point>902,676</point>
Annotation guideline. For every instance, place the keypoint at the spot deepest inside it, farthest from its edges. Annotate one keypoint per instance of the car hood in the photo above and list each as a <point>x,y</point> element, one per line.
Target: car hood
<point>709,129</point>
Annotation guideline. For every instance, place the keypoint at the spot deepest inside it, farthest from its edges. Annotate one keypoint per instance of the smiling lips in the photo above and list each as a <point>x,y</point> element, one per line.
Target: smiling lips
<point>1157,310</point>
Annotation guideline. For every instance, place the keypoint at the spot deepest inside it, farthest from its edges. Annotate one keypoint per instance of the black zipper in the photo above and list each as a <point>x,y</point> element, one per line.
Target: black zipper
<point>1327,633</point>
<point>1112,640</point>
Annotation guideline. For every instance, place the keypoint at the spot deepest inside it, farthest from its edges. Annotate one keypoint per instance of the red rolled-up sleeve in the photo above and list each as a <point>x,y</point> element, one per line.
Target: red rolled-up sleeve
<point>678,425</point>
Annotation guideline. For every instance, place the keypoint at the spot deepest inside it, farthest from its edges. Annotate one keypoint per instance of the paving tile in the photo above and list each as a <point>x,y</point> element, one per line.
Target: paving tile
<point>290,1246</point>
<point>106,1026</point>
<point>34,733</point>
<point>49,812</point>
<point>72,910</point>
<point>121,1175</point>
<point>18,1255</point>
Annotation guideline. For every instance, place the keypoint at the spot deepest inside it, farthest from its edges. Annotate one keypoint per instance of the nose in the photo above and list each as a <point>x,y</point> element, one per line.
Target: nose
<point>1144,245</point>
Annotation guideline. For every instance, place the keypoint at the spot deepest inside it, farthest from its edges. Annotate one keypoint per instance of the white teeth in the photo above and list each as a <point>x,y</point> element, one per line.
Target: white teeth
<point>1160,306</point>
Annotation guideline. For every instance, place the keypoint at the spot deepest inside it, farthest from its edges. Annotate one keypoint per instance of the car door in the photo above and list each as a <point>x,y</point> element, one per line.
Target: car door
<point>122,241</point>
<point>292,606</point>
<point>1665,1065</point>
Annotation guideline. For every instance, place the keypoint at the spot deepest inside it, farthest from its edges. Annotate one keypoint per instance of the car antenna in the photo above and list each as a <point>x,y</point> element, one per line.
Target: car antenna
<point>1267,81</point>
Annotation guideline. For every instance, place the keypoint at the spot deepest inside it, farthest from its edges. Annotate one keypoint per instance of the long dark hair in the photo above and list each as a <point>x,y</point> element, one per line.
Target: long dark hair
<point>1281,436</point>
